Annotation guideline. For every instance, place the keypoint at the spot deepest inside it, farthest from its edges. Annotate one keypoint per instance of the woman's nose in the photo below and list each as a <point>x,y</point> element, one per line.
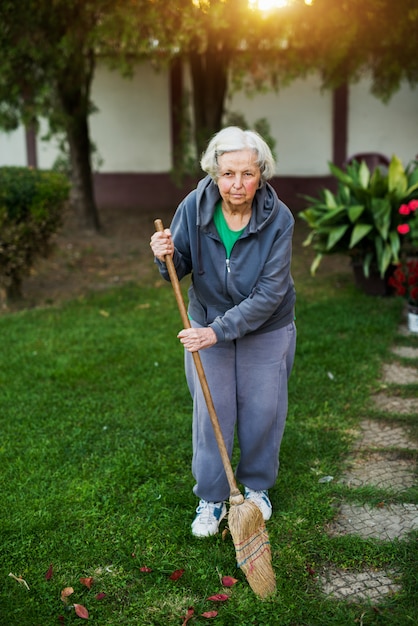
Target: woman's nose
<point>238,181</point>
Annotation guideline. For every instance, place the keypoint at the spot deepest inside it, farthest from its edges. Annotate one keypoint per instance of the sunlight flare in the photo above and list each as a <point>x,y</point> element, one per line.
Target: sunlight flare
<point>269,5</point>
<point>266,5</point>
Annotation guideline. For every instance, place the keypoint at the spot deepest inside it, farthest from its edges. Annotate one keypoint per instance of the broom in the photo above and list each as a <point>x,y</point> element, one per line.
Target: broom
<point>245,520</point>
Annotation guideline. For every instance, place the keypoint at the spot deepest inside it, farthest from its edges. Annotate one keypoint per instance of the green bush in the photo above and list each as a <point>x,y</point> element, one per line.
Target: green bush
<point>32,204</point>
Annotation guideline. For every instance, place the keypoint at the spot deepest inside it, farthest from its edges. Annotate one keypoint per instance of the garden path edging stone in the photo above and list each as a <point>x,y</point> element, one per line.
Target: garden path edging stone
<point>377,463</point>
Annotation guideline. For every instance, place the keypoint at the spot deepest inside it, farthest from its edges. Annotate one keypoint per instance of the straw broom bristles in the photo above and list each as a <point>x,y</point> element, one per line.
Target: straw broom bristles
<point>252,545</point>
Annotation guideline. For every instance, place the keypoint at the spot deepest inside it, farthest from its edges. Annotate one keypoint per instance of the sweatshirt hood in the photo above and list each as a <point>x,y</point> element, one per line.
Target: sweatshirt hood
<point>265,203</point>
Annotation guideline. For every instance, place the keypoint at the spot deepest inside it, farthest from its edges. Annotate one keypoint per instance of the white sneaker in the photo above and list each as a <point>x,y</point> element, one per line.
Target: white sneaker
<point>262,500</point>
<point>209,516</point>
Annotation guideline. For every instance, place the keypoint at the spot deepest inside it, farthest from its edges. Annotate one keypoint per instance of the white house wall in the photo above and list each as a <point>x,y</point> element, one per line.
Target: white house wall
<point>13,148</point>
<point>131,128</point>
<point>47,151</point>
<point>300,118</point>
<point>390,128</point>
<point>132,133</point>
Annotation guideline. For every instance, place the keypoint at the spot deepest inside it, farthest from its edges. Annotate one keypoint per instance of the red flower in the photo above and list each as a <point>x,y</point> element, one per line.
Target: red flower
<point>404,280</point>
<point>409,226</point>
<point>404,209</point>
<point>403,229</point>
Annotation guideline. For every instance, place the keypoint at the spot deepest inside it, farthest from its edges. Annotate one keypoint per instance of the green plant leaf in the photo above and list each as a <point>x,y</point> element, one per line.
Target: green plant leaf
<point>355,211</point>
<point>315,263</point>
<point>382,214</point>
<point>335,235</point>
<point>330,200</point>
<point>309,238</point>
<point>385,260</point>
<point>411,189</point>
<point>359,232</point>
<point>397,180</point>
<point>308,216</point>
<point>367,261</point>
<point>395,244</point>
<point>309,199</point>
<point>364,175</point>
<point>340,174</point>
<point>344,194</point>
<point>378,186</point>
<point>384,255</point>
<point>331,217</point>
<point>412,173</point>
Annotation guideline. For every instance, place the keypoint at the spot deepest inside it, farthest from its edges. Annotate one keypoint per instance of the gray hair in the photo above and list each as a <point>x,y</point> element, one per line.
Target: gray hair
<point>231,139</point>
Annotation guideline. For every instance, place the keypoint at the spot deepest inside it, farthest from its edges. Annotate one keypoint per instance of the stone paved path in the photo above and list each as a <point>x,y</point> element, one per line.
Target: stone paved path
<point>375,434</point>
<point>387,521</point>
<point>380,459</point>
<point>383,470</point>
<point>367,585</point>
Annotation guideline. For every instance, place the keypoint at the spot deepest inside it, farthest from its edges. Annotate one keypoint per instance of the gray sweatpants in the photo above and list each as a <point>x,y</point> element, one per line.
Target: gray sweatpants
<point>248,382</point>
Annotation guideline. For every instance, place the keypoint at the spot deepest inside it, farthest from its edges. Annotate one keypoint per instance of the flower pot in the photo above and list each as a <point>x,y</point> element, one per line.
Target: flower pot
<point>413,318</point>
<point>374,284</point>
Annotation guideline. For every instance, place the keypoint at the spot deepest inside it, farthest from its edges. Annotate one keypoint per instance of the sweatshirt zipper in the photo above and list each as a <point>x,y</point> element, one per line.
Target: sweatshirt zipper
<point>228,269</point>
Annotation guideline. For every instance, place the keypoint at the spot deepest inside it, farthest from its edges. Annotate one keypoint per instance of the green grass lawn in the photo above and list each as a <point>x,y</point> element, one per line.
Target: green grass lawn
<point>95,453</point>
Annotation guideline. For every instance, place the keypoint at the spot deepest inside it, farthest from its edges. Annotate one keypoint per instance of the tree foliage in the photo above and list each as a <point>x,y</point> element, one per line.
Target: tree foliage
<point>228,45</point>
<point>347,38</point>
<point>48,55</point>
<point>49,50</point>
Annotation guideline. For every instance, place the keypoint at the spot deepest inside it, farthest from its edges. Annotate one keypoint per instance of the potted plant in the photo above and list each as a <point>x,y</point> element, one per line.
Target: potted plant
<point>362,217</point>
<point>404,280</point>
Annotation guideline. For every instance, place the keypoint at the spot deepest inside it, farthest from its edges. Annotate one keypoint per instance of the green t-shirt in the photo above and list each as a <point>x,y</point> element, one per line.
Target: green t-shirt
<point>228,236</point>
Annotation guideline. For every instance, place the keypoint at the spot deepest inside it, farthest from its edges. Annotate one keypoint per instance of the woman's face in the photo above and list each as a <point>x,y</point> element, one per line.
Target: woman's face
<point>239,178</point>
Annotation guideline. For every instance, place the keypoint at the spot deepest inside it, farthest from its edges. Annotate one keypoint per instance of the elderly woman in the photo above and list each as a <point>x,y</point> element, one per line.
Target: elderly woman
<point>234,236</point>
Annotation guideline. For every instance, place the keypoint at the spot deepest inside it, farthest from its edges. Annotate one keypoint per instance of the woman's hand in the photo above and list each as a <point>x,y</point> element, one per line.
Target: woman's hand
<point>194,339</point>
<point>162,244</point>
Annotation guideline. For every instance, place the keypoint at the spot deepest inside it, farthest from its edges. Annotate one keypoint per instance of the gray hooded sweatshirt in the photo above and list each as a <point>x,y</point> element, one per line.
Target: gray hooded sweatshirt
<point>253,290</point>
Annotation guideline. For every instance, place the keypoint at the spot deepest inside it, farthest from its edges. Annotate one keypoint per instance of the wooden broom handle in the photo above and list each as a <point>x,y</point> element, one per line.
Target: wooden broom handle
<point>200,371</point>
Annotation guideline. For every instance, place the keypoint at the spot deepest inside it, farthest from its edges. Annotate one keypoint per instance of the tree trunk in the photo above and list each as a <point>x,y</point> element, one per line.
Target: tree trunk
<point>82,195</point>
<point>73,90</point>
<point>209,72</point>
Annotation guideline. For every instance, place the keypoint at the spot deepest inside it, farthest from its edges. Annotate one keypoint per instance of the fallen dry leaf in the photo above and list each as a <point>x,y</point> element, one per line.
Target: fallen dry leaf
<point>100,596</point>
<point>145,569</point>
<point>228,581</point>
<point>66,592</point>
<point>209,614</point>
<point>87,581</point>
<point>177,574</point>
<point>188,616</point>
<point>49,573</point>
<point>219,597</point>
<point>81,611</point>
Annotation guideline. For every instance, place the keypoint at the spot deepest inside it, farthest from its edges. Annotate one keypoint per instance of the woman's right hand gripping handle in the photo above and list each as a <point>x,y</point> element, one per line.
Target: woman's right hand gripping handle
<point>162,244</point>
